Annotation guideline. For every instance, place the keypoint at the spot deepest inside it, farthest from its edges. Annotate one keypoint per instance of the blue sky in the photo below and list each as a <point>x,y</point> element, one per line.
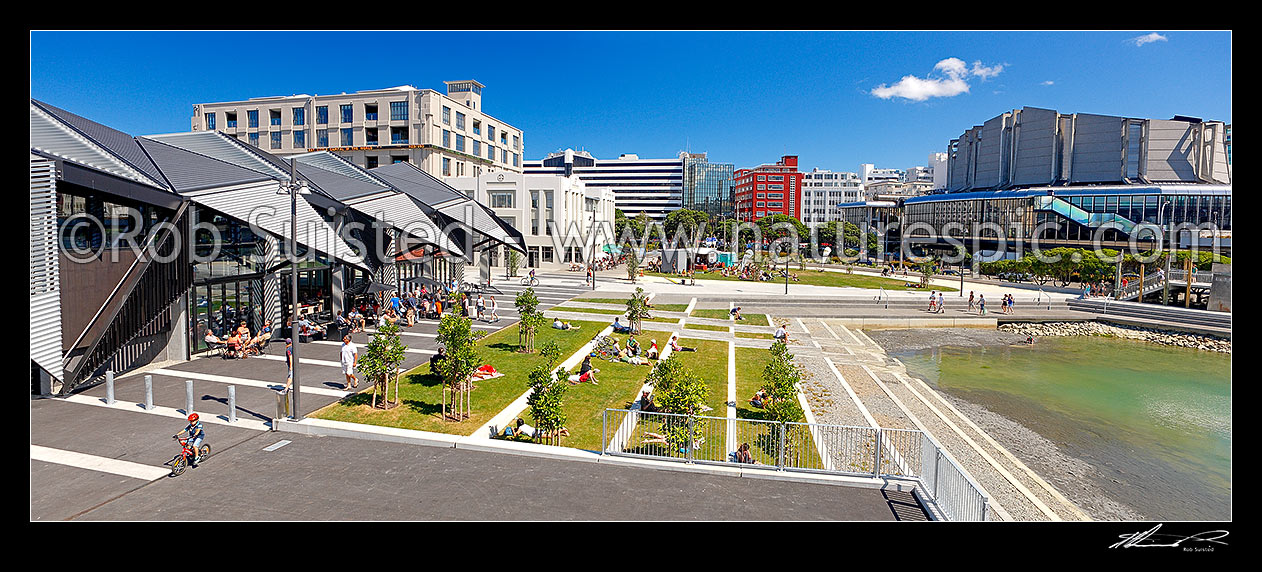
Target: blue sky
<point>835,99</point>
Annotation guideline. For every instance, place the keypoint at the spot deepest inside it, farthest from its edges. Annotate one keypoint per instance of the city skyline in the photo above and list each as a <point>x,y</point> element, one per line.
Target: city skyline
<point>835,99</point>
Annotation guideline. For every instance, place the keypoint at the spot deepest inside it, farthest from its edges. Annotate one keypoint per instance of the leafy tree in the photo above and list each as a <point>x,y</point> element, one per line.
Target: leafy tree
<point>686,221</point>
<point>637,309</point>
<point>513,262</point>
<point>457,336</point>
<point>529,320</point>
<point>766,224</point>
<point>547,394</point>
<point>680,391</point>
<point>633,263</point>
<point>380,363</point>
<point>780,380</point>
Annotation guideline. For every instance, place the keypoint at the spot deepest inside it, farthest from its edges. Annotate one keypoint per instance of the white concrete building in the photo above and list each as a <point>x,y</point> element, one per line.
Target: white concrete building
<point>938,165</point>
<point>561,218</point>
<point>447,135</point>
<point>869,174</point>
<point>823,190</point>
<point>651,186</point>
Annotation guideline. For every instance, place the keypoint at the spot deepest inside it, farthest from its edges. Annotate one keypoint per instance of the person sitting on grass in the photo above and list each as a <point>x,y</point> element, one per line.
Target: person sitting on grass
<point>558,324</point>
<point>646,403</point>
<point>743,456</point>
<point>619,327</point>
<point>675,347</point>
<point>521,429</point>
<point>436,360</point>
<point>760,399</point>
<point>633,347</point>
<point>657,438</point>
<point>653,352</point>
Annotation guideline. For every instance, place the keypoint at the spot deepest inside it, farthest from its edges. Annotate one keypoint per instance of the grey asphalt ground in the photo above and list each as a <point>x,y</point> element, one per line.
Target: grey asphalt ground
<point>342,479</point>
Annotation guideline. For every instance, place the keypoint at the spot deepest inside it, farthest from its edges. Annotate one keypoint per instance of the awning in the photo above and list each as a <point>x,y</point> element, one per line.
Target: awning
<point>430,283</point>
<point>402,212</point>
<point>262,206</point>
<point>367,288</point>
<point>480,219</point>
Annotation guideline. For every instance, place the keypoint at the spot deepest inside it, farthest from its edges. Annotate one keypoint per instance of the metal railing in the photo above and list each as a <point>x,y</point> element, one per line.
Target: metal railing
<point>1039,298</point>
<point>1150,283</point>
<point>801,447</point>
<point>883,295</point>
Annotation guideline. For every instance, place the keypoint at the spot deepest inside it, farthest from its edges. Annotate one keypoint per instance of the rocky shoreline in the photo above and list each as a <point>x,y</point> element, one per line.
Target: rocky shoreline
<point>1165,337</point>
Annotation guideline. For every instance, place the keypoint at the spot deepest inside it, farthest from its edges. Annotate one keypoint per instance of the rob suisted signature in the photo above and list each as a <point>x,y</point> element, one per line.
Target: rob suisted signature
<point>1150,539</point>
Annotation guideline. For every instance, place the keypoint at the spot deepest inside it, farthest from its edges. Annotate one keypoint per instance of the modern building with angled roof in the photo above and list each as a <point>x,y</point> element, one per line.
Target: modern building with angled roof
<point>142,245</point>
<point>446,134</point>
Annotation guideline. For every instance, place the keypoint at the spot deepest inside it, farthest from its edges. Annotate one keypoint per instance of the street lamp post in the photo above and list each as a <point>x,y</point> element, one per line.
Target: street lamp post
<point>294,188</point>
<point>1165,287</point>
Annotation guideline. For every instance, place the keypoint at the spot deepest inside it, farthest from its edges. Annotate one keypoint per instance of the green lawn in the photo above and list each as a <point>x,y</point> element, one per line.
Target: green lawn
<point>718,314</point>
<point>623,301</point>
<point>749,365</point>
<point>834,279</point>
<point>754,320</point>
<point>706,327</point>
<point>617,388</point>
<point>756,335</point>
<point>421,392</point>
<point>590,310</point>
<point>710,363</point>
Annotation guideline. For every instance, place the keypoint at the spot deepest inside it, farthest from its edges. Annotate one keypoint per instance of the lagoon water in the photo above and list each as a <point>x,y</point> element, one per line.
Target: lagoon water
<point>1156,419</point>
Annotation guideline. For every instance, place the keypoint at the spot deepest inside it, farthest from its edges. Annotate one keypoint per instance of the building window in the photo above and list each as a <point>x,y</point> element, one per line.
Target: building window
<point>231,116</point>
<point>446,139</point>
<point>370,162</point>
<point>490,132</point>
<point>252,118</point>
<point>446,166</point>
<point>210,121</point>
<point>446,115</point>
<point>515,160</point>
<point>300,116</point>
<point>276,135</point>
<point>504,138</point>
<point>322,115</point>
<point>274,116</point>
<point>370,136</point>
<point>762,177</point>
<point>504,155</point>
<point>300,139</point>
<point>460,169</point>
<point>370,111</point>
<point>477,127</point>
<point>459,142</point>
<point>348,137</point>
<point>254,139</point>
<point>477,148</point>
<point>517,143</point>
<point>502,200</point>
<point>398,135</point>
<point>348,113</point>
<point>490,152</point>
<point>459,121</point>
<point>398,111</point>
<point>322,137</point>
<point>398,159</point>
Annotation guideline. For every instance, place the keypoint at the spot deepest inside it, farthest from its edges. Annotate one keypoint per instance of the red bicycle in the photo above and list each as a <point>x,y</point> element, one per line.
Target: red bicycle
<point>180,462</point>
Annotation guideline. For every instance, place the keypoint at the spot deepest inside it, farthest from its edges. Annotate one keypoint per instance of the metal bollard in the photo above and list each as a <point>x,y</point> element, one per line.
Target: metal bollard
<point>109,387</point>
<point>282,404</point>
<point>148,393</point>
<point>232,403</point>
<point>188,396</point>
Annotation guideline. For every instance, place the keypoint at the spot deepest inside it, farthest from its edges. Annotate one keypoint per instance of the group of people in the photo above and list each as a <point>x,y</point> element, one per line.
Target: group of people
<point>936,305</point>
<point>239,343</point>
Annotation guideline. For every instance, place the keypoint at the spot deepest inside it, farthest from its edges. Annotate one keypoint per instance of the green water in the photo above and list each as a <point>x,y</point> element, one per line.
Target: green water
<point>1155,419</point>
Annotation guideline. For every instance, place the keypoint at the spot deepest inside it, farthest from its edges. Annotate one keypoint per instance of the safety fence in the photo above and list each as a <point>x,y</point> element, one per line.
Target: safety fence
<point>907,454</point>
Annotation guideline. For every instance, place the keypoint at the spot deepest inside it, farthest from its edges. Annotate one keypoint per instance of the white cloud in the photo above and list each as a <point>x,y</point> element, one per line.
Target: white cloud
<point>951,81</point>
<point>1148,39</point>
<point>1048,82</point>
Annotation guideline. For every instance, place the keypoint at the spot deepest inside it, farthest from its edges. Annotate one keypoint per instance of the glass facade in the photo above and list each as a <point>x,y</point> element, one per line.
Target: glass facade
<point>398,111</point>
<point>322,115</point>
<point>348,113</point>
<point>708,187</point>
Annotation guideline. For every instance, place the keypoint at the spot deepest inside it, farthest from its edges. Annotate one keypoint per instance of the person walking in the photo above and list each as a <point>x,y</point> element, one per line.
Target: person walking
<point>933,302</point>
<point>971,301</point>
<point>481,308</point>
<point>495,317</point>
<point>941,305</point>
<point>289,362</point>
<point>981,305</point>
<point>350,358</point>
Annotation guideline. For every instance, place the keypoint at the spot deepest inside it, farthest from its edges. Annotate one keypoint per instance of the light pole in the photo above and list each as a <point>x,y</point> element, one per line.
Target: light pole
<point>293,188</point>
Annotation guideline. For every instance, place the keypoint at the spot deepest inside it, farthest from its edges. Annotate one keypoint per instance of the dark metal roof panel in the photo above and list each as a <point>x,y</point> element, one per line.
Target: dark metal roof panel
<point>188,171</point>
<point>120,144</point>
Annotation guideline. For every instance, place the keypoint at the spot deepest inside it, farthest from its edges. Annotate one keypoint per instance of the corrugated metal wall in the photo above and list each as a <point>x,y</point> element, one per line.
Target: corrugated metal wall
<point>1035,143</point>
<point>1171,151</point>
<point>990,153</point>
<point>1097,151</point>
<point>45,332</point>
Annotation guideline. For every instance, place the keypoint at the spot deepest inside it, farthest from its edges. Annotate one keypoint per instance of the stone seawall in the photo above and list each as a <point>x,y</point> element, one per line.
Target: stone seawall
<point>1207,343</point>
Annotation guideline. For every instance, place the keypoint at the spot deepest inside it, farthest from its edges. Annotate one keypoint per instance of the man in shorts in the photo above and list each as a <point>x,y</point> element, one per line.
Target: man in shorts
<point>350,357</point>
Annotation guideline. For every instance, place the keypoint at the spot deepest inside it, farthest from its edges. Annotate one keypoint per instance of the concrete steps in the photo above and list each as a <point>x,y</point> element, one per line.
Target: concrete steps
<point>1152,315</point>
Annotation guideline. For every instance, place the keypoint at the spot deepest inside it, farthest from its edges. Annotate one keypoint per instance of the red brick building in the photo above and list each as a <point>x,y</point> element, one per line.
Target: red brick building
<point>769,189</point>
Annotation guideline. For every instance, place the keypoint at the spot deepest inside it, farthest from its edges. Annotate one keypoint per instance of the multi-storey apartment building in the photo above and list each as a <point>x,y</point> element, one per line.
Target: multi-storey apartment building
<point>447,135</point>
<point>869,174</point>
<point>560,218</point>
<point>769,189</point>
<point>823,190</point>
<point>650,186</point>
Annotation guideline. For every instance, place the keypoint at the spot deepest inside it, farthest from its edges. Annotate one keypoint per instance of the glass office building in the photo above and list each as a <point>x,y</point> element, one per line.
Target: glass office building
<point>708,186</point>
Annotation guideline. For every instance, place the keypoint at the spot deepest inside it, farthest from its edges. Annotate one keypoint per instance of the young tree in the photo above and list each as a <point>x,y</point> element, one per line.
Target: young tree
<point>780,380</point>
<point>682,392</point>
<point>380,363</point>
<point>547,395</point>
<point>529,320</point>
<point>633,264</point>
<point>637,309</point>
<point>457,336</point>
<point>513,262</point>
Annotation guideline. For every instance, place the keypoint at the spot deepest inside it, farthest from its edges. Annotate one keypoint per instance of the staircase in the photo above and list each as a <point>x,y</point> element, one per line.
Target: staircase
<point>1155,315</point>
<point>1151,283</point>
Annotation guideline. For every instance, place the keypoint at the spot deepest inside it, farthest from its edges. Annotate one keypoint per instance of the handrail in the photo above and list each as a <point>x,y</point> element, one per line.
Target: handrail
<point>1039,298</point>
<point>885,295</point>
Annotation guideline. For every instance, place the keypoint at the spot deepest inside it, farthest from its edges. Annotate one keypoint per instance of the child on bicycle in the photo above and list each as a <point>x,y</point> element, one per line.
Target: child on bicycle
<point>195,435</point>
